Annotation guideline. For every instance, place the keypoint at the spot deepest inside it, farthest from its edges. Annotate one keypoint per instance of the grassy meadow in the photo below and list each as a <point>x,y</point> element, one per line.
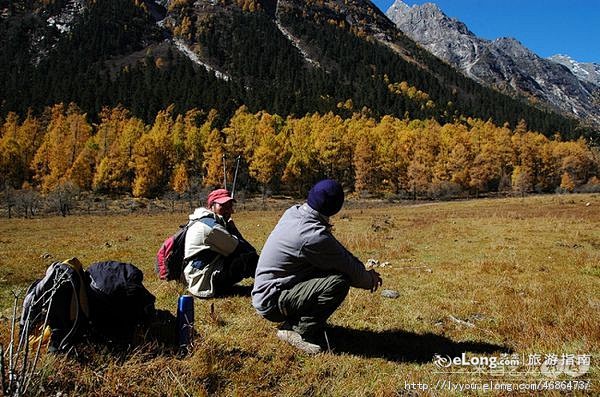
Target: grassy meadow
<point>493,278</point>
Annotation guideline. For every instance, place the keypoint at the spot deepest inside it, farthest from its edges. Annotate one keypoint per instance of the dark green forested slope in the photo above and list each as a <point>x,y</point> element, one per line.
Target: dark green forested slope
<point>267,71</point>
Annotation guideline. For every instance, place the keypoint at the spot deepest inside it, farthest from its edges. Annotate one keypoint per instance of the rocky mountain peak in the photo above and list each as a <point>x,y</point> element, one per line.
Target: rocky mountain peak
<point>398,7</point>
<point>584,71</point>
<point>513,48</point>
<point>430,10</point>
<point>508,42</point>
<point>426,15</point>
<point>504,63</point>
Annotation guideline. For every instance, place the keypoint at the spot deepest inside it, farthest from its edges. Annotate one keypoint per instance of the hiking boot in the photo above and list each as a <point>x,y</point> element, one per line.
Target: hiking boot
<point>296,340</point>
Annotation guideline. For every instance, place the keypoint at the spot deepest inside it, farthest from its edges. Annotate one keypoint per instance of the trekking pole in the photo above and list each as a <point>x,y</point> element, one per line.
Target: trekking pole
<point>11,363</point>
<point>237,166</point>
<point>224,173</point>
<point>3,380</point>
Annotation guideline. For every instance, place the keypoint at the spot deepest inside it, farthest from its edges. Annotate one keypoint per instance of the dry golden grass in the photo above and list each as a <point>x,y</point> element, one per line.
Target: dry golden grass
<point>523,276</point>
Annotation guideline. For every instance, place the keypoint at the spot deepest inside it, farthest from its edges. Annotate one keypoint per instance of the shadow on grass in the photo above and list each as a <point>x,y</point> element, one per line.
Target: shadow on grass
<point>236,290</point>
<point>157,338</point>
<point>403,346</point>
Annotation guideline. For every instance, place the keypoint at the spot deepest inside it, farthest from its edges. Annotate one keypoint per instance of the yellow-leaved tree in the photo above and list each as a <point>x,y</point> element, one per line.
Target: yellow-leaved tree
<point>66,136</point>
<point>12,165</point>
<point>153,156</point>
<point>180,181</point>
<point>522,181</point>
<point>333,149</point>
<point>424,151</point>
<point>213,160</point>
<point>575,159</point>
<point>493,154</point>
<point>299,155</point>
<point>116,170</point>
<point>359,128</point>
<point>528,148</point>
<point>30,136</point>
<point>194,142</point>
<point>566,182</point>
<point>241,135</point>
<point>389,162</point>
<point>83,168</point>
<point>265,159</point>
<point>460,157</point>
<point>364,162</point>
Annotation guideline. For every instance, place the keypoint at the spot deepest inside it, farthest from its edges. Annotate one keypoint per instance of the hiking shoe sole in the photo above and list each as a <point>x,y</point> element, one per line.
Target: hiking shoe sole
<point>295,339</point>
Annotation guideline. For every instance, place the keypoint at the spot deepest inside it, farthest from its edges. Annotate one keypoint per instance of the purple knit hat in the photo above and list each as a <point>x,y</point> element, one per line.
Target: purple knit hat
<point>326,197</point>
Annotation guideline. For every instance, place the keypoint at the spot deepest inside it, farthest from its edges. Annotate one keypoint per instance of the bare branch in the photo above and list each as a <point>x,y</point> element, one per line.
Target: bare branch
<point>28,376</point>
<point>461,322</point>
<point>178,381</point>
<point>3,372</point>
<point>12,339</point>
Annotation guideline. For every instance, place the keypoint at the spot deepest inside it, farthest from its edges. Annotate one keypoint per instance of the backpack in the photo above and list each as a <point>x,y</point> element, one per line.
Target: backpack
<point>169,258</point>
<point>119,302</point>
<point>58,301</point>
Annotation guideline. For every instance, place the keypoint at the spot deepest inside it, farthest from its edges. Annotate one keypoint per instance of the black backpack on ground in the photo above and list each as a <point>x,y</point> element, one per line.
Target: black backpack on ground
<point>107,302</point>
<point>59,301</point>
<point>119,302</point>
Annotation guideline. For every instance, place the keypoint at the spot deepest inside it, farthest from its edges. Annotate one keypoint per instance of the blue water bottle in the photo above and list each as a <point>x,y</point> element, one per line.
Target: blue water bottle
<point>185,321</point>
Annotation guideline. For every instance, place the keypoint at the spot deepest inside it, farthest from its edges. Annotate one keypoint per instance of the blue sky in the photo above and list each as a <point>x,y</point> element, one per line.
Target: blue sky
<point>547,27</point>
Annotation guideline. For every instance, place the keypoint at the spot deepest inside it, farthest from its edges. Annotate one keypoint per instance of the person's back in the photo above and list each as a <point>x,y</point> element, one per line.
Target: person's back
<point>301,247</point>
<point>304,273</point>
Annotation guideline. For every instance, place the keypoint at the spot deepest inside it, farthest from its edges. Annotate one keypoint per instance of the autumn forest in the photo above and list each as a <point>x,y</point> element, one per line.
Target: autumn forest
<point>387,157</point>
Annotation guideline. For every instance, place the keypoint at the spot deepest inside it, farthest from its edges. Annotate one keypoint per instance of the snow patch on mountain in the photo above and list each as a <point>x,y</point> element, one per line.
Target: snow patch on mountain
<point>64,19</point>
<point>187,51</point>
<point>585,71</point>
<point>295,41</point>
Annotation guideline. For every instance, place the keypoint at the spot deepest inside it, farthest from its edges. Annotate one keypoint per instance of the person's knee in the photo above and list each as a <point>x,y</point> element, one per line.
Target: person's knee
<point>340,284</point>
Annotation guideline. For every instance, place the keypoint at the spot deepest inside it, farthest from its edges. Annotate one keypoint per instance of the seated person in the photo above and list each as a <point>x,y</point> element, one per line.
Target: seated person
<point>216,254</point>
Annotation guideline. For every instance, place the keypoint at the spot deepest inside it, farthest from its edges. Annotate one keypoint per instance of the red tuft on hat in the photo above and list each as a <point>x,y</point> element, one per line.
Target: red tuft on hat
<point>219,196</point>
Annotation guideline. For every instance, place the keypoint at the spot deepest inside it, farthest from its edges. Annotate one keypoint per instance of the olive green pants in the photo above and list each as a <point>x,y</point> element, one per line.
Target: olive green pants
<point>306,306</point>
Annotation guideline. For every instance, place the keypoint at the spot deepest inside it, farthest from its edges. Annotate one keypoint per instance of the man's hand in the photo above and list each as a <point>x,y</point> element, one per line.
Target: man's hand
<point>376,280</point>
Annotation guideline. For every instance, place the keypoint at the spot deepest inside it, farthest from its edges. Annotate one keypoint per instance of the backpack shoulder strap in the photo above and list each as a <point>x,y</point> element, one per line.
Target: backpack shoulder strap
<point>189,223</point>
<point>208,220</point>
<point>82,297</point>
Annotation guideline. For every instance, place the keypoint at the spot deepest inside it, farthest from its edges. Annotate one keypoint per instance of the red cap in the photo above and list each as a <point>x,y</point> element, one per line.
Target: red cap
<point>219,196</point>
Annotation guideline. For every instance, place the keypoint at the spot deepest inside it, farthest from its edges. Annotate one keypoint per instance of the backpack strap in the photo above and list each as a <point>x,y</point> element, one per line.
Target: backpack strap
<point>81,295</point>
<point>203,258</point>
<point>192,221</point>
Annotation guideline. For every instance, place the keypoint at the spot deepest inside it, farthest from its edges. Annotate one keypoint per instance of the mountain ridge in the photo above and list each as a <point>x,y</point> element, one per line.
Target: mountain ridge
<point>588,71</point>
<point>504,63</point>
<point>261,46</point>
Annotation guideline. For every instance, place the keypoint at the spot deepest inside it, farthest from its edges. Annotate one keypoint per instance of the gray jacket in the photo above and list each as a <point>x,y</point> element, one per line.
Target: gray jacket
<point>302,247</point>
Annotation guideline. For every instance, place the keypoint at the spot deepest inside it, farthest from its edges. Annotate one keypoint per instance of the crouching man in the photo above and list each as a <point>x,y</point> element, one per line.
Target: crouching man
<point>304,273</point>
<point>216,254</point>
